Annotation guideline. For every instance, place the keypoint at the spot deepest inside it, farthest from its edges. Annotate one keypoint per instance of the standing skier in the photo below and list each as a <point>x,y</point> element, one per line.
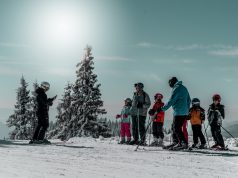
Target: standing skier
<point>180,101</point>
<point>158,121</point>
<point>43,104</point>
<point>216,114</point>
<point>140,104</point>
<point>197,117</point>
<point>125,116</point>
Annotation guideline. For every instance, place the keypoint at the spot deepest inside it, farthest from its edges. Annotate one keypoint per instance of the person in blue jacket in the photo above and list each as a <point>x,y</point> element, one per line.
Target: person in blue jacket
<point>180,101</point>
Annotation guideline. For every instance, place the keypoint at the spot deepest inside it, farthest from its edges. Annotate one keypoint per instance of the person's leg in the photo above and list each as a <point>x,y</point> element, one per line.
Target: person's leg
<point>43,129</point>
<point>201,136</point>
<point>160,130</point>
<point>135,128</point>
<point>195,135</point>
<point>127,131</point>
<point>184,128</point>
<point>219,137</point>
<point>142,120</point>
<point>36,133</point>
<point>213,131</point>
<point>179,120</point>
<point>122,133</point>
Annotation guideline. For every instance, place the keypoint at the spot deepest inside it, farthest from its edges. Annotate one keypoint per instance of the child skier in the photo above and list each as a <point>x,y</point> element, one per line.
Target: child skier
<point>125,116</point>
<point>215,115</point>
<point>196,117</point>
<point>158,120</point>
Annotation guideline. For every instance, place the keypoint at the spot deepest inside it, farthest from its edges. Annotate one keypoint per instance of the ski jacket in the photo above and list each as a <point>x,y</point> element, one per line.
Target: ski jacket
<point>196,115</point>
<point>126,114</point>
<point>42,104</point>
<point>158,117</point>
<point>216,113</point>
<point>143,99</point>
<point>180,100</point>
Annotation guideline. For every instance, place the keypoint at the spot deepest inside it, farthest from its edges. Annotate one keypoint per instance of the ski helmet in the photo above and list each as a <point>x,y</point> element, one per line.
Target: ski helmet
<point>195,102</point>
<point>128,100</point>
<point>216,97</point>
<point>173,81</point>
<point>140,85</point>
<point>45,85</point>
<point>158,96</point>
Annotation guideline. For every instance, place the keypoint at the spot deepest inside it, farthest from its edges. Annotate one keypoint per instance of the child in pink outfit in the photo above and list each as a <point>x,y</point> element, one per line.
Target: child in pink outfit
<point>125,116</point>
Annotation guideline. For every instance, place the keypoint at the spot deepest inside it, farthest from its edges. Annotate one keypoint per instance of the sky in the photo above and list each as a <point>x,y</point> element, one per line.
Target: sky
<point>146,41</point>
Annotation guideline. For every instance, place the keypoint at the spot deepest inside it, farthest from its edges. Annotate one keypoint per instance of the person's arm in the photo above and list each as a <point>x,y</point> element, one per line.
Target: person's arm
<point>147,103</point>
<point>171,101</point>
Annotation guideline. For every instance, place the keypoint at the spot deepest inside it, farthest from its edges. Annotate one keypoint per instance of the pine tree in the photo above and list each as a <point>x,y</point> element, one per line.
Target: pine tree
<point>86,100</point>
<point>61,128</point>
<point>21,119</point>
<point>34,107</point>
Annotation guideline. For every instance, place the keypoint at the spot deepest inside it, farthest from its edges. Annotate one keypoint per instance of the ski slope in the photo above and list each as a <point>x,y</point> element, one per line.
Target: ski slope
<point>97,158</point>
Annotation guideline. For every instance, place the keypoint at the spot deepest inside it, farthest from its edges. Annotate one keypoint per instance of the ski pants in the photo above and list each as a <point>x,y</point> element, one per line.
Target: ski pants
<point>197,133</point>
<point>125,130</point>
<point>178,122</point>
<point>138,127</point>
<point>42,126</point>
<point>216,134</point>
<point>157,129</point>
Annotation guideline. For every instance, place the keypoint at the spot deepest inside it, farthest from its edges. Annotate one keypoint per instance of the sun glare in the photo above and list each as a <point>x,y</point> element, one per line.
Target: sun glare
<point>58,28</point>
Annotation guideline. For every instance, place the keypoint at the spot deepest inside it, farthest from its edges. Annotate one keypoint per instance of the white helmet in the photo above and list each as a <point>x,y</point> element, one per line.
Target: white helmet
<point>45,85</point>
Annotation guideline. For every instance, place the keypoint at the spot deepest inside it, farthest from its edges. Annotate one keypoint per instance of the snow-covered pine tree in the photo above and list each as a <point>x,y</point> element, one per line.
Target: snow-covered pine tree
<point>61,128</point>
<point>86,100</point>
<point>34,107</point>
<point>21,119</point>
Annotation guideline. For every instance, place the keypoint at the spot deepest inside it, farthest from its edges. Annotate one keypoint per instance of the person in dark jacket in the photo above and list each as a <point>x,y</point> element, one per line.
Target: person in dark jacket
<point>180,101</point>
<point>140,104</point>
<point>216,114</point>
<point>42,113</point>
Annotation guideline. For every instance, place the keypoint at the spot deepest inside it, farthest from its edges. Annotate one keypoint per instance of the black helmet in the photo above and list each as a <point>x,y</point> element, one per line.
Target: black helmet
<point>173,81</point>
<point>195,102</point>
<point>140,85</point>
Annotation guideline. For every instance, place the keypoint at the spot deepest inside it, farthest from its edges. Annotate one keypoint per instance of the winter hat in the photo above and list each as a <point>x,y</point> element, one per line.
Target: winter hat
<point>140,85</point>
<point>173,81</point>
<point>216,97</point>
<point>195,102</point>
<point>45,85</point>
<point>158,96</point>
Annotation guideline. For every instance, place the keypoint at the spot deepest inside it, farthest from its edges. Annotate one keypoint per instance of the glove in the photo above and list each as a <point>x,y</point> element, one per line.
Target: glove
<point>219,121</point>
<point>159,110</point>
<point>125,116</point>
<point>139,105</point>
<point>118,116</point>
<point>151,112</point>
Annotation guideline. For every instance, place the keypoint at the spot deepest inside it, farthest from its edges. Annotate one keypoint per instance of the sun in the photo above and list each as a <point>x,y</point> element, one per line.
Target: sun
<point>58,27</point>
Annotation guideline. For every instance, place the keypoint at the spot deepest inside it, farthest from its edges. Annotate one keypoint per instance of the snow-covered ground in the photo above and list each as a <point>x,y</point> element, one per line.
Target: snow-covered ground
<point>96,158</point>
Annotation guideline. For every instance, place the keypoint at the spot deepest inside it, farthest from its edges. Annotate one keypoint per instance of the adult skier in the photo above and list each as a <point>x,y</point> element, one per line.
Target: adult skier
<point>140,104</point>
<point>180,101</point>
<point>43,104</point>
<point>216,114</point>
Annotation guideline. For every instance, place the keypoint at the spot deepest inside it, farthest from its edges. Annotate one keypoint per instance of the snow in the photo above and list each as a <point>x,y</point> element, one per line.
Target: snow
<point>97,158</point>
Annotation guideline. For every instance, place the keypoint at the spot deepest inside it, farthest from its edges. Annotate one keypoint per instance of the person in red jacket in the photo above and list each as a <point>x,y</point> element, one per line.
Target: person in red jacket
<point>158,120</point>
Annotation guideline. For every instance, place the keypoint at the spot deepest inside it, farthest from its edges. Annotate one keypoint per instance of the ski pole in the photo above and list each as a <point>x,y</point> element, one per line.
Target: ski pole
<point>229,134</point>
<point>149,129</point>
<point>206,135</point>
<point>144,134</point>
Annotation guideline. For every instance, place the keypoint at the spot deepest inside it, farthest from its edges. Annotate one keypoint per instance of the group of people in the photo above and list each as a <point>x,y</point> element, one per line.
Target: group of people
<point>135,111</point>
